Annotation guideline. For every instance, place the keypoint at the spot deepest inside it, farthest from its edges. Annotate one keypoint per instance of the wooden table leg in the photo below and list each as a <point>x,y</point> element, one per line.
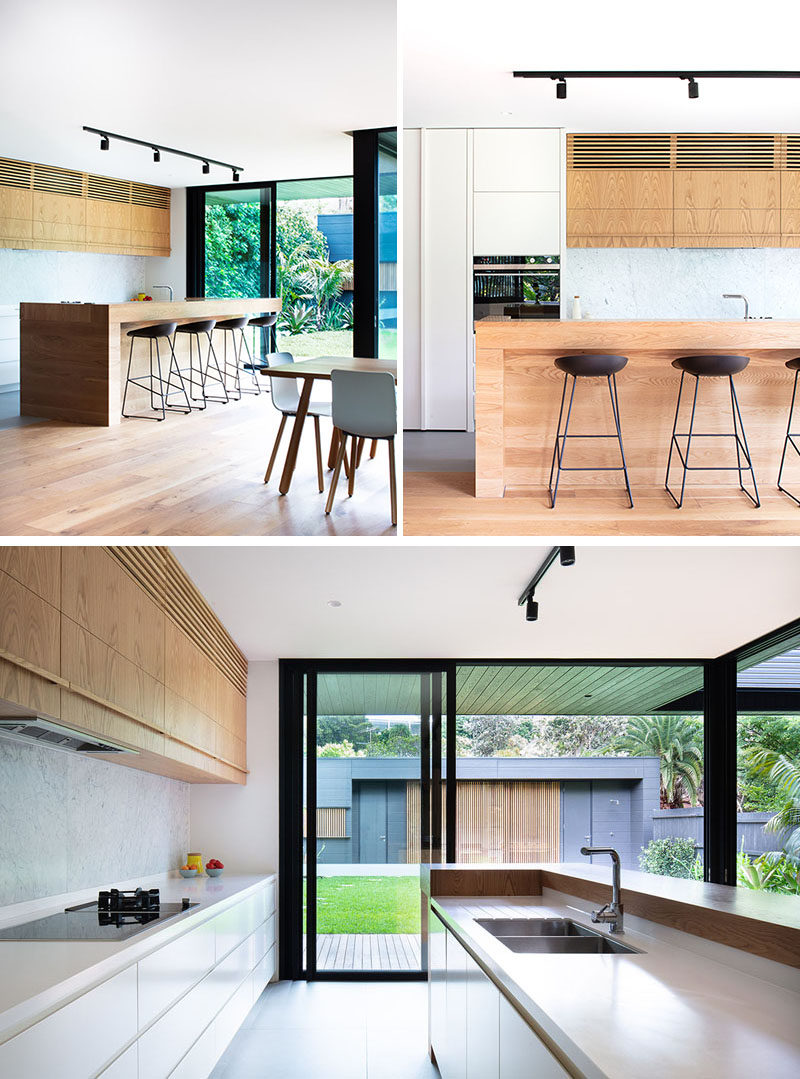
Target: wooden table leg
<point>297,431</point>
<point>334,450</point>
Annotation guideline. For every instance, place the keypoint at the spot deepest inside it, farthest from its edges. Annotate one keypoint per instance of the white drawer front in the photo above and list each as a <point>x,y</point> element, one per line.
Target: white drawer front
<point>79,1038</point>
<point>125,1066</point>
<point>239,922</point>
<point>264,973</point>
<point>269,893</point>
<point>263,938</point>
<point>233,1015</point>
<point>164,1044</point>
<point>200,1060</point>
<point>173,969</point>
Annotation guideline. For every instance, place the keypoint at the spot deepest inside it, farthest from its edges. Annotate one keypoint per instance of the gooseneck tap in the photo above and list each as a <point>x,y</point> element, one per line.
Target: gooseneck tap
<point>167,287</point>
<point>738,296</point>
<point>611,913</point>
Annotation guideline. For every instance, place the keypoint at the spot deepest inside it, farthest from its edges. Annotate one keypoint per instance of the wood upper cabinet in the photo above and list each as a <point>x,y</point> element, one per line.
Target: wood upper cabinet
<point>727,208</point>
<point>150,230</point>
<point>619,208</point>
<point>30,639</point>
<point>790,208</point>
<point>59,219</point>
<point>38,568</point>
<point>16,216</point>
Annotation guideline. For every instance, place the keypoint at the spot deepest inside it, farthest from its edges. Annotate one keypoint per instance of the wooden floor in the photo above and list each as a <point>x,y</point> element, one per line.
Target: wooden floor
<point>197,475</point>
<point>443,504</point>
<point>368,951</point>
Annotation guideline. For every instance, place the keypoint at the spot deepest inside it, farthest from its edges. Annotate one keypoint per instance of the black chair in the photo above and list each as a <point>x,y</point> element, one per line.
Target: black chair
<point>197,380</point>
<point>711,366</point>
<point>234,326</point>
<point>596,365</point>
<point>160,388</point>
<point>793,365</point>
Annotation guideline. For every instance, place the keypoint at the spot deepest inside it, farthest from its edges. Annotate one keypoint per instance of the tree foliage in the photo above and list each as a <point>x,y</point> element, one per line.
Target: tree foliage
<point>675,740</point>
<point>785,774</point>
<point>673,856</point>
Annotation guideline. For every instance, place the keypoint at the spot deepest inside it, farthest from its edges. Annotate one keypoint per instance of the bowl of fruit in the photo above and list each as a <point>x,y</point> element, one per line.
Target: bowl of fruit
<point>188,871</point>
<point>214,867</point>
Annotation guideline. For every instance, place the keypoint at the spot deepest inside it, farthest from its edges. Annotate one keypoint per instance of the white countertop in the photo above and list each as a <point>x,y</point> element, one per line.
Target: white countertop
<point>39,976</point>
<point>666,1012</point>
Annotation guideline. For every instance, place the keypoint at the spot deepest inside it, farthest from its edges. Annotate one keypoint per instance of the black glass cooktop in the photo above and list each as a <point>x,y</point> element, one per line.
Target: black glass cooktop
<point>89,923</point>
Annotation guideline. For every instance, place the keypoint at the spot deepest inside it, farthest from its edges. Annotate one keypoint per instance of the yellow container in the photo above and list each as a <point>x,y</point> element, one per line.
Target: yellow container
<point>141,296</point>
<point>195,860</point>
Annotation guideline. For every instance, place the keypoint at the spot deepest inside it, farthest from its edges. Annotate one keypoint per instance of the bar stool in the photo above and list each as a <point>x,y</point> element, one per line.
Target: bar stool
<point>194,329</point>
<point>232,326</point>
<point>265,323</point>
<point>159,387</point>
<point>793,365</point>
<point>711,366</point>
<point>596,365</point>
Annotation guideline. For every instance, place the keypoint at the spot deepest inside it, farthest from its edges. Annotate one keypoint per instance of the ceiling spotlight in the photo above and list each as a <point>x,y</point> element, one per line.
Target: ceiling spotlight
<point>104,142</point>
<point>561,89</point>
<point>531,609</point>
<point>235,176</point>
<point>156,154</point>
<point>334,603</point>
<point>206,168</point>
<point>694,89</point>
<point>567,556</point>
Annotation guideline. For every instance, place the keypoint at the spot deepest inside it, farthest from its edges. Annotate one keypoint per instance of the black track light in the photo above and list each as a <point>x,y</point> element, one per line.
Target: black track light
<point>561,89</point>
<point>206,168</point>
<point>156,154</point>
<point>158,150</point>
<point>104,142</point>
<point>694,89</point>
<point>567,556</point>
<point>531,609</point>
<point>235,176</point>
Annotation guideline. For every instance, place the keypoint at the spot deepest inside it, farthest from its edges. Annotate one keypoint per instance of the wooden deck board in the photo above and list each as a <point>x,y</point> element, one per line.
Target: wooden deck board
<point>368,951</point>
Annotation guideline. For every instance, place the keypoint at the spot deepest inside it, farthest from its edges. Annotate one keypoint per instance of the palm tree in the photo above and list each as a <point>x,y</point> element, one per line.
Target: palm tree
<point>785,772</point>
<point>672,740</point>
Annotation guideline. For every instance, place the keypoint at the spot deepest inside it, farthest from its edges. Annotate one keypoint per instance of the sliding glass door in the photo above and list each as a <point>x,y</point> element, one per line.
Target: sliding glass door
<point>387,245</point>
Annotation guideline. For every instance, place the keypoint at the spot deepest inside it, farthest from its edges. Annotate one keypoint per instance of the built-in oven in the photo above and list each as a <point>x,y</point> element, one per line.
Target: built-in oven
<point>516,286</point>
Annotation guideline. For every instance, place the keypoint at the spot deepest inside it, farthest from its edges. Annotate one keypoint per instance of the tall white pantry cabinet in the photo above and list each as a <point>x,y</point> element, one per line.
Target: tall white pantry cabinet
<point>466,193</point>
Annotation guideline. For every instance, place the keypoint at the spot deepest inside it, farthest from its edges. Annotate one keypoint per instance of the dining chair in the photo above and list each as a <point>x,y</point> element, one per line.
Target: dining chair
<point>364,407</point>
<point>285,397</point>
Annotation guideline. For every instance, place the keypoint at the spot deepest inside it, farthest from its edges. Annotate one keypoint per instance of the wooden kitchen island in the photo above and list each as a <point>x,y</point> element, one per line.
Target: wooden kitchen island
<point>73,357</point>
<point>518,391</point>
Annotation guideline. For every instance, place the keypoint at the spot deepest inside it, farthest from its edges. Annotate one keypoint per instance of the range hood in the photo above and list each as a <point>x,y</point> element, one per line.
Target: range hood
<point>46,732</point>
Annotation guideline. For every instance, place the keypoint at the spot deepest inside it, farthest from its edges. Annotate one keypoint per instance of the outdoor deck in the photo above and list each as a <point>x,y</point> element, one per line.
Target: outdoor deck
<point>368,951</point>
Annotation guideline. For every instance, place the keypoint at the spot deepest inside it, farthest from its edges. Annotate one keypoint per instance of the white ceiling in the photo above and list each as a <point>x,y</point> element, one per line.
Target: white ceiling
<point>416,601</point>
<point>458,56</point>
<point>272,87</point>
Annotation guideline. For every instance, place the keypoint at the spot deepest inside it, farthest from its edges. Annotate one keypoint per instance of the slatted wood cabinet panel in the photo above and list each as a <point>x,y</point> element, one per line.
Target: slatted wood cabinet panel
<point>44,207</point>
<point>683,190</point>
<point>94,636</point>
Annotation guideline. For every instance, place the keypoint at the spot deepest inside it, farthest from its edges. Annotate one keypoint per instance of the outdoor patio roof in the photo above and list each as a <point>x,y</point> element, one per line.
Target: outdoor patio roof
<point>517,689</point>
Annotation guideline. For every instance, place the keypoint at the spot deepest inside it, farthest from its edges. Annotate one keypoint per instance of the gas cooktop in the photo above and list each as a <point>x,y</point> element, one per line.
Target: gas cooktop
<point>115,916</point>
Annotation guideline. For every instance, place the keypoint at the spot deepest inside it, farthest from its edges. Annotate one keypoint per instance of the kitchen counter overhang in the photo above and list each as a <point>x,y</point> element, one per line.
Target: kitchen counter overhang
<point>518,391</point>
<point>73,357</point>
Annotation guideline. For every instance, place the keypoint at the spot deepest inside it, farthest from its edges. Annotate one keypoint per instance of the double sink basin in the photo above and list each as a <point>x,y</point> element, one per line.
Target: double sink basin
<point>561,936</point>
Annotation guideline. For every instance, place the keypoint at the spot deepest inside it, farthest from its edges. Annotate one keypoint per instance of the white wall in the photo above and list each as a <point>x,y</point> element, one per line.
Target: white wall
<point>684,283</point>
<point>172,270</point>
<point>71,822</point>
<point>239,825</point>
<point>51,276</point>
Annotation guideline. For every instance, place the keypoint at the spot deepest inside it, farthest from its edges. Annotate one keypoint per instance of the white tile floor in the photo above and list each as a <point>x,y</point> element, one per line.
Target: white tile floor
<point>335,1030</point>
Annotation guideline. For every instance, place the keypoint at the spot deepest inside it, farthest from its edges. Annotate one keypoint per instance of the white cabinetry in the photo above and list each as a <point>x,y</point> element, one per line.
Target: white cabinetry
<point>517,223</point>
<point>456,1010</point>
<point>437,958</point>
<point>483,1024</point>
<point>525,159</point>
<point>523,1055</point>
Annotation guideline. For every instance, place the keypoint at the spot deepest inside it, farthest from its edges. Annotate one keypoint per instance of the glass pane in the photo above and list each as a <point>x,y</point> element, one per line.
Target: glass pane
<point>314,258</point>
<point>233,243</point>
<point>387,245</point>
<point>368,811</point>
<point>768,807</point>
<point>554,758</point>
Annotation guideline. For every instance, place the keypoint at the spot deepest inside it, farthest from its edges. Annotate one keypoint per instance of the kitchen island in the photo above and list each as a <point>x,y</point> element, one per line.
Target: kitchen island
<point>518,391</point>
<point>679,1002</point>
<point>74,357</point>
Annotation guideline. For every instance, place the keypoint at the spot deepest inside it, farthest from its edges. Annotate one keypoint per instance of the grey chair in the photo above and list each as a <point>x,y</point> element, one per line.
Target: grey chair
<point>364,407</point>
<point>285,397</point>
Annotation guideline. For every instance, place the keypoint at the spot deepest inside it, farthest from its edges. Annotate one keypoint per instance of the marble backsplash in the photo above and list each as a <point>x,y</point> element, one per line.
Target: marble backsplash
<point>70,822</point>
<point>683,283</point>
<point>52,276</point>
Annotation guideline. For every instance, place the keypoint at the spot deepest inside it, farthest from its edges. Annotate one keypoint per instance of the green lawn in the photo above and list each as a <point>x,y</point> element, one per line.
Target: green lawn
<point>332,343</point>
<point>367,905</point>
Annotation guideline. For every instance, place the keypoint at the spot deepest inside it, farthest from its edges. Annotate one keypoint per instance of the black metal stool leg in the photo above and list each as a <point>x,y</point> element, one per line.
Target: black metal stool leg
<point>789,440</point>
<point>672,442</point>
<point>181,388</point>
<point>756,501</point>
<point>736,436</point>
<point>128,379</point>
<point>163,415</point>
<point>612,382</point>
<point>560,451</point>
<point>257,389</point>
<point>555,444</point>
<point>152,391</point>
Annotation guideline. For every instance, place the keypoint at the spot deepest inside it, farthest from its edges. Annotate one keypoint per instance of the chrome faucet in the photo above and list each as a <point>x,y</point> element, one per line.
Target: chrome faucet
<point>738,296</point>
<point>611,913</point>
<point>167,287</point>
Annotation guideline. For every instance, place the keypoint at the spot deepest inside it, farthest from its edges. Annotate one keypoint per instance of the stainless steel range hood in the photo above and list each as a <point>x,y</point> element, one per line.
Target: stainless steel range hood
<point>46,732</point>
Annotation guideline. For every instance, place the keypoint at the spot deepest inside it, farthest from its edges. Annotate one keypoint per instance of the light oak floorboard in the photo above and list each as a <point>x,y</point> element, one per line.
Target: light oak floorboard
<point>196,475</point>
<point>443,504</point>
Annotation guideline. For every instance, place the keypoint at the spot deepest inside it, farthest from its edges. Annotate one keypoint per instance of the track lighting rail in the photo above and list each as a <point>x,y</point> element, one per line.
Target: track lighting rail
<point>686,75</point>
<point>567,558</point>
<point>158,149</point>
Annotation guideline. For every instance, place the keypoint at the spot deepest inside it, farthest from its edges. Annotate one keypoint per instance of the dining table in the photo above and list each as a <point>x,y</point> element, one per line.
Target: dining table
<point>308,371</point>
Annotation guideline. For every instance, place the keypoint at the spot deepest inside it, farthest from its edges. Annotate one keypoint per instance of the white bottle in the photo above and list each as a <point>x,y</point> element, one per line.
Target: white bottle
<point>576,307</point>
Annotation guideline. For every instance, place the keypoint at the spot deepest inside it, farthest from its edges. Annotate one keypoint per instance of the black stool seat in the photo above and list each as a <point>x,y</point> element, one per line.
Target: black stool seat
<point>595,365</point>
<point>264,320</point>
<point>794,365</point>
<point>231,323</point>
<point>163,329</point>
<point>197,327</point>
<point>711,366</point>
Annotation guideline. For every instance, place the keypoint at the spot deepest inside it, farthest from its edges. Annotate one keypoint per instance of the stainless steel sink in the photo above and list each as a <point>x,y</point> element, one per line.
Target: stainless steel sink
<point>560,936</point>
